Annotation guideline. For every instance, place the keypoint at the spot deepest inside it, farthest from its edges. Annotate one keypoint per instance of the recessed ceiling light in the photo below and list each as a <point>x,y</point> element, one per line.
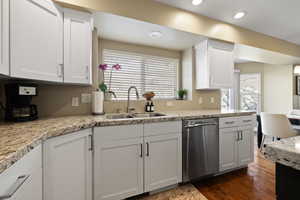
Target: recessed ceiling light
<point>155,34</point>
<point>239,15</point>
<point>197,2</point>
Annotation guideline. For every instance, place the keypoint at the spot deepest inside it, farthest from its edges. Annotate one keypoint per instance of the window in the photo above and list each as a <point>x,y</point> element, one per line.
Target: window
<point>229,97</point>
<point>225,99</point>
<point>250,92</point>
<point>245,95</point>
<point>147,73</point>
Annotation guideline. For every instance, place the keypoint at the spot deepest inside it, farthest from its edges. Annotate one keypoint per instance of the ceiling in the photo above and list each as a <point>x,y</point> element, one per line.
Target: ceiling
<point>277,18</point>
<point>123,29</point>
<point>129,30</point>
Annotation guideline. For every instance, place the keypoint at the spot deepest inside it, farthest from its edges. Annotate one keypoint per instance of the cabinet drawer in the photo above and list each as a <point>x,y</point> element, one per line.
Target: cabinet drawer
<point>111,133</point>
<point>249,120</point>
<point>30,165</point>
<point>162,128</point>
<point>228,122</point>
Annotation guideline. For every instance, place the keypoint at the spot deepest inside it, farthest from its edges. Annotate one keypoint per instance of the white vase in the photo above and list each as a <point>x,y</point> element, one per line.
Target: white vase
<point>97,103</point>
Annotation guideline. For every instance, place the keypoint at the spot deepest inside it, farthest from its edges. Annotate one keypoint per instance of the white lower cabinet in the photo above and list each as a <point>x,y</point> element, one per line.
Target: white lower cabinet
<point>236,142</point>
<point>119,169</point>
<point>228,148</point>
<point>246,146</point>
<point>127,164</point>
<point>23,180</point>
<point>162,161</point>
<point>68,166</point>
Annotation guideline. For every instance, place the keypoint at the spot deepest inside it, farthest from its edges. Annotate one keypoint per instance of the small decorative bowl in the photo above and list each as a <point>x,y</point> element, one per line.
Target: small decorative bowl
<point>149,95</point>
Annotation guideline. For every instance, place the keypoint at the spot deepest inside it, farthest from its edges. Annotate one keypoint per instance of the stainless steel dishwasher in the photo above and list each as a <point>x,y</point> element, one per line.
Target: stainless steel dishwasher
<point>200,148</point>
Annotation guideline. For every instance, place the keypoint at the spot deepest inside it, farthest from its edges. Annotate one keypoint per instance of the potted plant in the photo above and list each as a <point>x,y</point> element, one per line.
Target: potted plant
<point>182,93</point>
<point>108,93</point>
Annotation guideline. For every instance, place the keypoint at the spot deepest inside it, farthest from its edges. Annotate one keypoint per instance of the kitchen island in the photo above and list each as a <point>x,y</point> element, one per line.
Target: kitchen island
<point>286,154</point>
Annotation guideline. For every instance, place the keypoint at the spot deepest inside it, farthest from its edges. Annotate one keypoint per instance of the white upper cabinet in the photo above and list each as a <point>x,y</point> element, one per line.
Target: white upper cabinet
<point>4,37</point>
<point>77,47</point>
<point>36,40</point>
<point>214,65</point>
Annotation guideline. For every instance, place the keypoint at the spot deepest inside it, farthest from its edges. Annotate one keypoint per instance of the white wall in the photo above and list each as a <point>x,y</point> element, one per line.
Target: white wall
<point>278,88</point>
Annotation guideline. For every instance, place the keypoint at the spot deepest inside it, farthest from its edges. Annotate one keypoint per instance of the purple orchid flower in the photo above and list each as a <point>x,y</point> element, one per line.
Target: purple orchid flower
<point>116,67</point>
<point>103,67</point>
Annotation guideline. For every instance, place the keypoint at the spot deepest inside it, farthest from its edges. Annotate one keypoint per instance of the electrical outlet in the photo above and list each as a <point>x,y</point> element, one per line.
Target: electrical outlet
<point>212,100</point>
<point>170,103</point>
<point>75,101</point>
<point>86,98</point>
<point>200,100</point>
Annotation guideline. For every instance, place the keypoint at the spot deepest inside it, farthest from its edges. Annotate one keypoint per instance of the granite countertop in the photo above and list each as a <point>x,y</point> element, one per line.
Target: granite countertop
<point>17,139</point>
<point>285,151</point>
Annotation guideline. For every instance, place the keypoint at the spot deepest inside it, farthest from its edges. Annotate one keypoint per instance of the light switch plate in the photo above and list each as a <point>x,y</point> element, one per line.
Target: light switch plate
<point>75,101</point>
<point>212,100</point>
<point>86,98</point>
<point>200,100</point>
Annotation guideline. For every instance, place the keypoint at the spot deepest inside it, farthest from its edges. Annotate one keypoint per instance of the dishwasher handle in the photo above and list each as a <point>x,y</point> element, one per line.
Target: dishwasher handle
<point>199,125</point>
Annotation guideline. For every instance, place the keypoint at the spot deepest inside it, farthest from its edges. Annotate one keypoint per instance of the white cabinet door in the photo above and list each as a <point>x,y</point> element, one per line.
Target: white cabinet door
<point>228,148</point>
<point>68,167</point>
<point>246,146</point>
<point>4,37</point>
<point>25,176</point>
<point>221,68</point>
<point>77,47</point>
<point>163,161</point>
<point>36,40</point>
<point>118,171</point>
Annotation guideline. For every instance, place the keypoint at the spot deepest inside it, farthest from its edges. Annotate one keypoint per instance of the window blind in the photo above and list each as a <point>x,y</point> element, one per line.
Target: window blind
<point>147,73</point>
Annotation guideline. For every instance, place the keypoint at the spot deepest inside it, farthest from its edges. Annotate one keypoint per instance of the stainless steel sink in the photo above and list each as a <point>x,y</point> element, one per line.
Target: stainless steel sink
<point>134,115</point>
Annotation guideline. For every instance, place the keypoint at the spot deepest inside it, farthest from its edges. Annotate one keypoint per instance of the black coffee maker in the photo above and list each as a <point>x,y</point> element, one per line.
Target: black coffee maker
<point>18,102</point>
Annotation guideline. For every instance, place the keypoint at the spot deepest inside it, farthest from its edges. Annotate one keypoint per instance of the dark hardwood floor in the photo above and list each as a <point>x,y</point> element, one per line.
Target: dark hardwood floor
<point>257,182</point>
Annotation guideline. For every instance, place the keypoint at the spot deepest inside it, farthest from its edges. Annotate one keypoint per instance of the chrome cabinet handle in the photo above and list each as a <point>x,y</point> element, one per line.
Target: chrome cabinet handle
<point>249,120</point>
<point>87,72</point>
<point>147,145</point>
<point>238,136</point>
<point>242,137</point>
<point>232,122</point>
<point>141,153</point>
<point>60,70</point>
<point>14,188</point>
<point>91,143</point>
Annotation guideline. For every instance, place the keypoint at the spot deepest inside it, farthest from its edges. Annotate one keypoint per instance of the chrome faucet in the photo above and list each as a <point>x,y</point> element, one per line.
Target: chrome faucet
<point>128,98</point>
